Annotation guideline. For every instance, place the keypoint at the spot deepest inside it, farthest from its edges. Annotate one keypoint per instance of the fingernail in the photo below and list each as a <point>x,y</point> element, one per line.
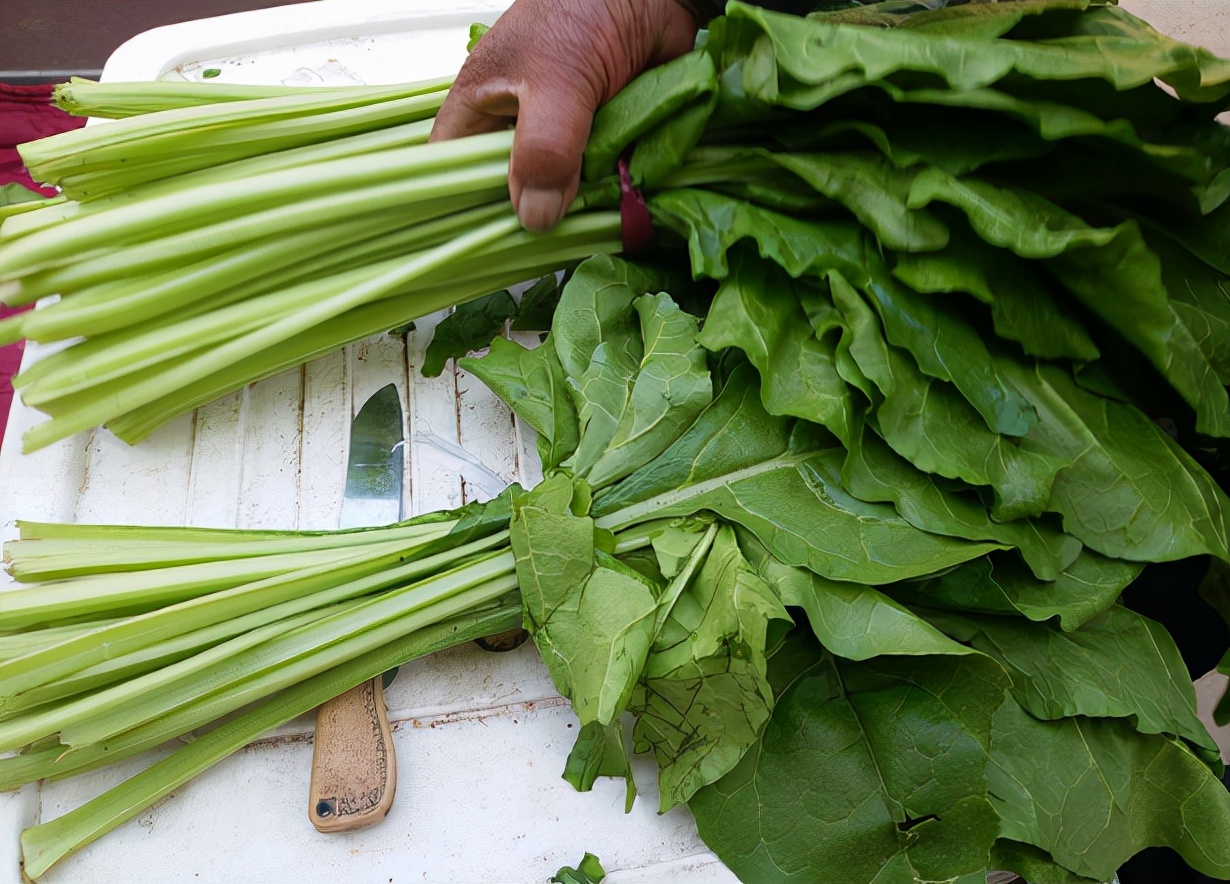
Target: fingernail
<point>540,209</point>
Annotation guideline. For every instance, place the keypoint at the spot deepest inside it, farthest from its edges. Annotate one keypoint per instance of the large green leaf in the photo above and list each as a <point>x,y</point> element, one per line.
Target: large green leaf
<point>946,346</point>
<point>789,496</point>
<point>1118,665</point>
<point>1094,792</point>
<point>866,772</point>
<point>631,418</point>
<point>930,424</point>
<point>471,326</point>
<point>1113,46</point>
<point>999,584</point>
<point>851,620</point>
<point>1023,306</point>
<point>649,100</point>
<point>713,222</point>
<point>531,383</point>
<point>577,599</point>
<point>759,310</point>
<point>874,472</point>
<point>1153,502</point>
<point>705,696</point>
<point>1110,270</point>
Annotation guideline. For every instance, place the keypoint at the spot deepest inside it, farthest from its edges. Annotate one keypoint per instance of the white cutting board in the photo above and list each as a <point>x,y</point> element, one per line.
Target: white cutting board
<point>481,738</point>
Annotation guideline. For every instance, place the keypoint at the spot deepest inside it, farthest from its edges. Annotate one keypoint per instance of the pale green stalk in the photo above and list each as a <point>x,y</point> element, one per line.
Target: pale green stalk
<point>373,569</point>
<point>112,405</point>
<point>46,844</point>
<point>47,559</point>
<point>307,650</point>
<point>90,98</point>
<point>433,170</point>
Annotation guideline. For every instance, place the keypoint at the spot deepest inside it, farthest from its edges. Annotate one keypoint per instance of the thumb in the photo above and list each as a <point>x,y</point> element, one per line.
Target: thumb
<point>544,172</point>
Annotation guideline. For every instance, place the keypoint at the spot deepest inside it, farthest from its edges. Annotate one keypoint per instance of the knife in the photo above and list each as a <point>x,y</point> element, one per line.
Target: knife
<point>354,769</point>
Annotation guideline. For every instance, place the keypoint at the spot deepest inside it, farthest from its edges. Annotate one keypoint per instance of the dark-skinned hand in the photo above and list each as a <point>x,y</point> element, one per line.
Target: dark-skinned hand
<point>548,65</point>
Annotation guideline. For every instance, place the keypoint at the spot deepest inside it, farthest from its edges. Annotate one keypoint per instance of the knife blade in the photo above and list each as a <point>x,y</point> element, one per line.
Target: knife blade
<point>354,769</point>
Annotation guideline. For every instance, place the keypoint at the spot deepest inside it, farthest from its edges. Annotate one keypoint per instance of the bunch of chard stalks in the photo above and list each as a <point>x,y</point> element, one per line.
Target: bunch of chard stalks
<point>226,235</point>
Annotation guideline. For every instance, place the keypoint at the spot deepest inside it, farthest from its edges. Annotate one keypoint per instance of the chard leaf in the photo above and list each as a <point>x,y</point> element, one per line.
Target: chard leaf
<point>947,347</point>
<point>1155,504</point>
<point>705,696</point>
<point>1033,864</point>
<point>1111,271</point>
<point>787,492</point>
<point>588,871</point>
<point>1023,308</point>
<point>999,584</point>
<point>875,192</point>
<point>931,425</point>
<point>874,472</point>
<point>537,307</point>
<point>1111,45</point>
<point>600,752</point>
<point>531,383</point>
<point>663,150</point>
<point>713,222</point>
<point>471,326</point>
<point>1094,792</point>
<point>851,620</point>
<point>666,392</point>
<point>866,772</point>
<point>578,598</point>
<point>1118,665</point>
<point>758,309</point>
<point>649,100</point>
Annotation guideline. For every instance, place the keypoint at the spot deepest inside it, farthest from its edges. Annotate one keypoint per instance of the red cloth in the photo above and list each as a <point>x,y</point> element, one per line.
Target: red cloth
<point>26,114</point>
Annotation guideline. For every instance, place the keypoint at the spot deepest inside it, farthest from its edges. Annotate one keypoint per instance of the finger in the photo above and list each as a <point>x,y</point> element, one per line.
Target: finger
<point>544,173</point>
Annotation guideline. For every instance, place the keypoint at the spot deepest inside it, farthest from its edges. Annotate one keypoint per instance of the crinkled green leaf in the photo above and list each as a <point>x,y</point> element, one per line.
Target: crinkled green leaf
<point>1033,864</point>
<point>588,871</point>
<point>531,383</point>
<point>579,600</point>
<point>875,192</point>
<point>866,772</point>
<point>1001,584</point>
<point>600,752</point>
<point>664,393</point>
<point>705,697</point>
<point>874,472</point>
<point>1118,665</point>
<point>471,326</point>
<point>946,346</point>
<point>1154,503</point>
<point>759,310</point>
<point>930,424</point>
<point>788,495</point>
<point>1023,306</point>
<point>652,98</point>
<point>851,620</point>
<point>1111,45</point>
<point>1094,792</point>
<point>1110,270</point>
<point>713,222</point>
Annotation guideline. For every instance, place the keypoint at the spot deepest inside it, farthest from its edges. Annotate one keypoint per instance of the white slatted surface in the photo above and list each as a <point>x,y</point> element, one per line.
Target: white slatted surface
<point>481,738</point>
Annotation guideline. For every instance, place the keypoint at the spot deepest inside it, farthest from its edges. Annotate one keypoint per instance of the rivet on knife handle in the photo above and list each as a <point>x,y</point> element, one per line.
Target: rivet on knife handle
<point>354,769</point>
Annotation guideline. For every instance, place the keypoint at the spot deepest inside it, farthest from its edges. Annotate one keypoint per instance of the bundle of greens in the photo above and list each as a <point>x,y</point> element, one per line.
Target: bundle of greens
<point>850,513</point>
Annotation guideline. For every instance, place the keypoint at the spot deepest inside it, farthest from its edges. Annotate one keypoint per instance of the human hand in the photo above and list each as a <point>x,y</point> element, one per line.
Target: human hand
<point>549,64</point>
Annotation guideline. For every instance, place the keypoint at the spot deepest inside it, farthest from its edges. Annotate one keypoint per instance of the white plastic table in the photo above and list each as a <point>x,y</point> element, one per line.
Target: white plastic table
<point>481,738</point>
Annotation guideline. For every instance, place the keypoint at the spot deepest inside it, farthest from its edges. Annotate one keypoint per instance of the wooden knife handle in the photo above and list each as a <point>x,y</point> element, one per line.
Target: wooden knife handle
<point>354,769</point>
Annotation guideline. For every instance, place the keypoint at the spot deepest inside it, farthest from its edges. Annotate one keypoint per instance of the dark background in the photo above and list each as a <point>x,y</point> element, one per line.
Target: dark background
<point>49,40</point>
